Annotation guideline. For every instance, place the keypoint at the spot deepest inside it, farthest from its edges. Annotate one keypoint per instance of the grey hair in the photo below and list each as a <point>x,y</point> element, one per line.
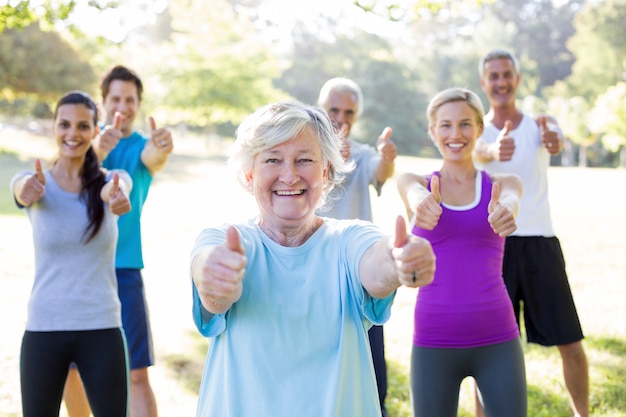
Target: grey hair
<point>341,85</point>
<point>277,123</point>
<point>497,54</point>
<point>451,95</point>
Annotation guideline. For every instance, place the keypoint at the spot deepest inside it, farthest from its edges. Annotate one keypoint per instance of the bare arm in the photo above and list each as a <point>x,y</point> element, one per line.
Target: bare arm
<point>420,203</point>
<point>158,149</point>
<point>395,261</point>
<point>388,152</point>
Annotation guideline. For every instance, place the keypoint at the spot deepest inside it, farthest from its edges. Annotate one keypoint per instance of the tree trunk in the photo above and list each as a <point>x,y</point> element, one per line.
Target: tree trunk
<point>582,156</point>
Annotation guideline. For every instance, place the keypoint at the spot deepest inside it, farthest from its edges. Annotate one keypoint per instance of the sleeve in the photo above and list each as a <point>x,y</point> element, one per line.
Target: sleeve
<point>358,239</point>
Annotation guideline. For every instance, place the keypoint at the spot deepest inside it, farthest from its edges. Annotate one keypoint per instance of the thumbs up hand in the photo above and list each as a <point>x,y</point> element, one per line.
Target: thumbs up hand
<point>118,200</point>
<point>501,218</point>
<point>160,138</point>
<point>504,147</point>
<point>33,188</point>
<point>413,257</point>
<point>428,211</point>
<point>549,136</point>
<point>218,273</point>
<point>108,139</point>
<point>386,147</point>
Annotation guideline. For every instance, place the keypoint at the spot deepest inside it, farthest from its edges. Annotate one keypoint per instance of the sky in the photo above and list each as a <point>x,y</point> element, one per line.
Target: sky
<point>115,23</point>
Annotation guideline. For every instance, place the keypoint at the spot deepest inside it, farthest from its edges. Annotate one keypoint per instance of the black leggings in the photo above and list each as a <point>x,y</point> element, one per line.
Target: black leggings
<point>437,373</point>
<point>101,358</point>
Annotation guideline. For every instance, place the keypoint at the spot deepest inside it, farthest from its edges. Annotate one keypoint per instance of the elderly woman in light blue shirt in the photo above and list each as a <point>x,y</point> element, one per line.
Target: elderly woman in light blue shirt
<point>287,297</point>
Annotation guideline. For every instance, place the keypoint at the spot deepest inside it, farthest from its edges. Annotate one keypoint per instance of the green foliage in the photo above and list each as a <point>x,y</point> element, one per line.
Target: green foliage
<point>222,72</point>
<point>43,64</point>
<point>599,45</point>
<point>390,88</point>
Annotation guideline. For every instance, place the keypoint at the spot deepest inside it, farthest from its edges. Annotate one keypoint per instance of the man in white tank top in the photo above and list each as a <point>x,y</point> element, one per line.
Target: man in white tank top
<point>534,269</point>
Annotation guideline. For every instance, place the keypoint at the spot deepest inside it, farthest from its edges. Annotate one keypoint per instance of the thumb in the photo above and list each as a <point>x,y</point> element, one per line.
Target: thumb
<point>508,126</point>
<point>401,237</point>
<point>152,123</point>
<point>116,185</point>
<point>434,188</point>
<point>543,123</point>
<point>232,240</point>
<point>385,136</point>
<point>39,172</point>
<point>117,120</point>
<point>495,197</point>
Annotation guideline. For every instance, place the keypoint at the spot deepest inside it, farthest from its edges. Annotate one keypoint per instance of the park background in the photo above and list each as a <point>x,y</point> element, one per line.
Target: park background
<point>206,64</point>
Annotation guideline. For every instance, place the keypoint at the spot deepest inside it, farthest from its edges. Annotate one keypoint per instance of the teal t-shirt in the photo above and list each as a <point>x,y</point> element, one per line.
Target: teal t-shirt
<point>127,156</point>
<point>296,342</point>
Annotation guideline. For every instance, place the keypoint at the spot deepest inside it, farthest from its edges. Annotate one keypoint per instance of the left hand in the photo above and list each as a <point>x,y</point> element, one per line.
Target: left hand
<point>413,256</point>
<point>386,148</point>
<point>549,138</point>
<point>500,217</point>
<point>118,201</point>
<point>161,138</point>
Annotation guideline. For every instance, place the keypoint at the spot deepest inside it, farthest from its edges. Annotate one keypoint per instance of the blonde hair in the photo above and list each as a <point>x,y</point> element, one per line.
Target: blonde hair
<point>452,95</point>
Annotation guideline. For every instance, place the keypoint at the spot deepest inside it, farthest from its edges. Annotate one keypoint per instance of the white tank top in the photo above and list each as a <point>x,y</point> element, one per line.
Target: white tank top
<point>530,161</point>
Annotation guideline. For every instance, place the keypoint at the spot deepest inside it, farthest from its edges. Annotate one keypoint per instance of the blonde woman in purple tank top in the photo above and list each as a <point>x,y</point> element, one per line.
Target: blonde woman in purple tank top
<point>464,321</point>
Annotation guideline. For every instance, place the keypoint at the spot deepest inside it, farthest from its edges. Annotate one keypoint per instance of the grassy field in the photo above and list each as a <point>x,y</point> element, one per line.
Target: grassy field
<point>196,190</point>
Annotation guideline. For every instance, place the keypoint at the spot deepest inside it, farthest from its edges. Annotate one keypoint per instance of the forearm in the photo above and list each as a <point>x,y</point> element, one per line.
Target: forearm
<point>412,192</point>
<point>377,270</point>
<point>384,171</point>
<point>483,152</point>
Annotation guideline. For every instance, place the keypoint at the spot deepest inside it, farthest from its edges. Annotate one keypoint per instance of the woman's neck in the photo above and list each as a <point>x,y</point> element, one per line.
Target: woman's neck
<point>291,236</point>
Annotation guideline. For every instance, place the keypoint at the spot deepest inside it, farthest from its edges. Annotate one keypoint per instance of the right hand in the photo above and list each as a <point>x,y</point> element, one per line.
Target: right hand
<point>503,148</point>
<point>220,283</point>
<point>34,187</point>
<point>428,212</point>
<point>110,135</point>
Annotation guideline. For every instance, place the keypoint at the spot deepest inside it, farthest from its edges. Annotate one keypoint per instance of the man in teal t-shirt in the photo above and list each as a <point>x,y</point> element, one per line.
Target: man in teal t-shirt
<point>121,147</point>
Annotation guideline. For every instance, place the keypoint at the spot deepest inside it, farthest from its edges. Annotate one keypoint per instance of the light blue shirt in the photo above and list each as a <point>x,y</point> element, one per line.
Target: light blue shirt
<point>296,343</point>
<point>351,199</point>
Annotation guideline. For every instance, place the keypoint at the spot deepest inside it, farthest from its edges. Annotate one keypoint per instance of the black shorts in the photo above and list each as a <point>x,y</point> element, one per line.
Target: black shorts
<point>534,273</point>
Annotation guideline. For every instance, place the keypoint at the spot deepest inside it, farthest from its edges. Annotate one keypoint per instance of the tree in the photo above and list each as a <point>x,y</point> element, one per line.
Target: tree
<point>22,13</point>
<point>608,119</point>
<point>572,115</point>
<point>390,88</point>
<point>42,64</point>
<point>599,46</point>
<point>215,69</point>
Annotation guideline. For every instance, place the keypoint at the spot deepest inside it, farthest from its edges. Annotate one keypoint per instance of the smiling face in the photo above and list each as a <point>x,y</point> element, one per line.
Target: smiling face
<point>455,130</point>
<point>500,81</point>
<point>122,97</point>
<point>288,180</point>
<point>74,128</point>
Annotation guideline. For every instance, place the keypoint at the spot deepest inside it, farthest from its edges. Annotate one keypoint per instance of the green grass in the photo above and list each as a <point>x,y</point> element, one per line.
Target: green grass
<point>588,217</point>
<point>10,164</point>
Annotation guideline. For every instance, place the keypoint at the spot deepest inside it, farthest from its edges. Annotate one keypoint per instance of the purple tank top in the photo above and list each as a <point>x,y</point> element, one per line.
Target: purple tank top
<point>467,304</point>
